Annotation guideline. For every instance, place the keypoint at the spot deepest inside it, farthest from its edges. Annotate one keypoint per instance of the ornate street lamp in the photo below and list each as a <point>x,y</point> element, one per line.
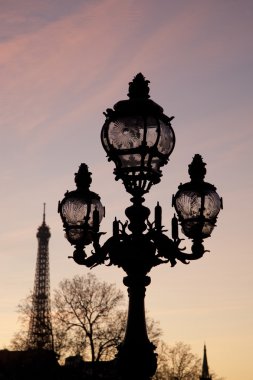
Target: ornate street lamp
<point>139,138</point>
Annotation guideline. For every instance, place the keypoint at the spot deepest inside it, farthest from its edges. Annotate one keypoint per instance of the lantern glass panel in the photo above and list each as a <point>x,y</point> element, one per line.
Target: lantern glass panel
<point>212,205</point>
<point>167,139</point>
<point>130,160</point>
<point>96,205</point>
<point>104,139</point>
<point>74,210</point>
<point>189,204</point>
<point>152,131</point>
<point>126,133</point>
<point>192,228</point>
<point>75,234</point>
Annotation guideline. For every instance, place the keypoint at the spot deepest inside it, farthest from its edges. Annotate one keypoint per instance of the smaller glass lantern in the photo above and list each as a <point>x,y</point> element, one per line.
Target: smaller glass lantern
<point>81,210</point>
<point>197,203</point>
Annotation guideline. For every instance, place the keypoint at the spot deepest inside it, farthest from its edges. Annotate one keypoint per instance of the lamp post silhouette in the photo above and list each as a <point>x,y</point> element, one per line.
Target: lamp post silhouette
<point>138,137</point>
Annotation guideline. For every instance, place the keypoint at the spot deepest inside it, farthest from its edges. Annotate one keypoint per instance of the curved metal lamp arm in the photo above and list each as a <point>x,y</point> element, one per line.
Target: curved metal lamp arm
<point>197,249</point>
<point>100,253</point>
<point>97,257</point>
<point>169,249</point>
<point>166,250</point>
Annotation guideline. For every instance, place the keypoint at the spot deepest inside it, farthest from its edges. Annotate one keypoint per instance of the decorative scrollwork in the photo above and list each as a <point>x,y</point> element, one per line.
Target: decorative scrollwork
<point>130,250</point>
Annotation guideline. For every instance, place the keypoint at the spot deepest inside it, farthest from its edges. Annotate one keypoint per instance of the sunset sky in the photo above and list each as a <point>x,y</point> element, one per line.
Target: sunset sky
<point>62,64</point>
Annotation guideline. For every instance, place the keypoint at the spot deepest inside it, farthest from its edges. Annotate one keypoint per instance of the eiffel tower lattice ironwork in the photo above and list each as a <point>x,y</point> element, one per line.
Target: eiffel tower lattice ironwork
<point>40,334</point>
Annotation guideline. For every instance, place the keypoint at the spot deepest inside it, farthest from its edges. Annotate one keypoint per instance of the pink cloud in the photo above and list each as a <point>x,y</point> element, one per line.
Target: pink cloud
<point>64,72</point>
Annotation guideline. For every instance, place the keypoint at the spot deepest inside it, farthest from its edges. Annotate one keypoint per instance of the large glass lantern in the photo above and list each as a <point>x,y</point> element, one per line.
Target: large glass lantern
<point>138,137</point>
<point>197,203</point>
<point>81,210</point>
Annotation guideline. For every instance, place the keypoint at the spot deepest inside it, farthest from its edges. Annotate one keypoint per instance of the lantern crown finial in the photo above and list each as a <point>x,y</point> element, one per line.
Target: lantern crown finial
<point>138,88</point>
<point>83,178</point>
<point>197,169</point>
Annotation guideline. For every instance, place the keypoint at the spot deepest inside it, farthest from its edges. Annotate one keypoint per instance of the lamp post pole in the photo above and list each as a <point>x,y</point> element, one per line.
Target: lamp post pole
<point>139,138</point>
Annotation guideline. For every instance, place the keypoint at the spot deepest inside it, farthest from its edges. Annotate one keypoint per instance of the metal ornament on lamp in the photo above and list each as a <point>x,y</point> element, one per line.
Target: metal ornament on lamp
<point>138,137</point>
